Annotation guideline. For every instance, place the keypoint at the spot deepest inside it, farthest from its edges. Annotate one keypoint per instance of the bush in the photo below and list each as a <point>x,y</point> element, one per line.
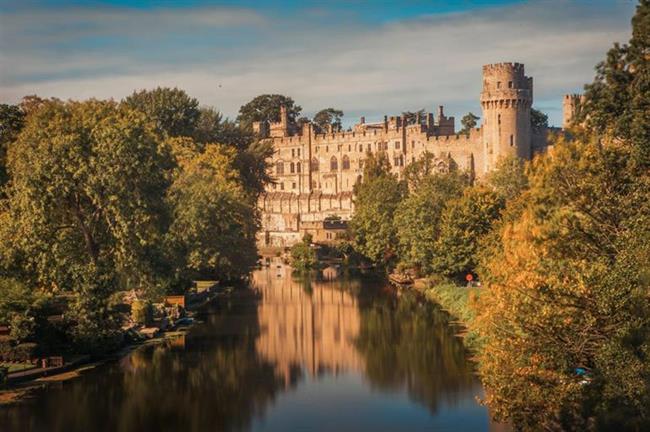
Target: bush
<point>4,371</point>
<point>303,256</point>
<point>23,353</point>
<point>142,312</point>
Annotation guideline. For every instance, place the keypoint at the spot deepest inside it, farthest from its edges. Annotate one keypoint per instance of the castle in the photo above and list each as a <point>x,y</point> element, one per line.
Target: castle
<point>315,172</point>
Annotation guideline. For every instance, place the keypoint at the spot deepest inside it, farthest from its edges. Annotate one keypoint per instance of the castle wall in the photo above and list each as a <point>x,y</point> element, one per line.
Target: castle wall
<point>315,173</point>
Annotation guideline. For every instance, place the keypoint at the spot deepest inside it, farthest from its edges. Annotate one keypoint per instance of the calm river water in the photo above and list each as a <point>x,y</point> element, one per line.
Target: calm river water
<point>347,354</point>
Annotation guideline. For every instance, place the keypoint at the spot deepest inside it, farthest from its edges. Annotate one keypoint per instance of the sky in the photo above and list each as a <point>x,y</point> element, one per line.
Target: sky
<point>367,58</point>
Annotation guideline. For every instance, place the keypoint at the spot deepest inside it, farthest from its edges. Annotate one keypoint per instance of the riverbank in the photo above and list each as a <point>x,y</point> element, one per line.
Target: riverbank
<point>19,388</point>
<point>458,302</point>
<point>19,384</point>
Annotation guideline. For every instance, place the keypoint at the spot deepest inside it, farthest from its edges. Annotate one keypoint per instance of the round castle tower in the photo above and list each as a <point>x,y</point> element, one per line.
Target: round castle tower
<point>506,100</point>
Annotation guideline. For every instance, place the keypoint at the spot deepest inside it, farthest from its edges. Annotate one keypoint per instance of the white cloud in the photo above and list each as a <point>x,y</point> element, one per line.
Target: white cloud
<point>363,70</point>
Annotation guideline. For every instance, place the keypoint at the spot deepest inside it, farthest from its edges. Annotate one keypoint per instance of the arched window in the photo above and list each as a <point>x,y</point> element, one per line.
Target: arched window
<point>297,167</point>
<point>279,168</point>
<point>314,165</point>
<point>334,164</point>
<point>292,167</point>
<point>346,162</point>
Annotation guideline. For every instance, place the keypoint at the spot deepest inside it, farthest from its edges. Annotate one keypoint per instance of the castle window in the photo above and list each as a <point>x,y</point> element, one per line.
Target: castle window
<point>334,164</point>
<point>292,167</point>
<point>298,151</point>
<point>397,144</point>
<point>360,164</point>
<point>314,165</point>
<point>412,144</point>
<point>279,168</point>
<point>293,153</point>
<point>346,162</point>
<point>512,141</point>
<point>498,84</point>
<point>395,161</point>
<point>327,149</point>
<point>509,84</point>
<point>361,148</point>
<point>281,186</point>
<point>499,119</point>
<point>297,167</point>
<point>349,147</point>
<point>293,185</point>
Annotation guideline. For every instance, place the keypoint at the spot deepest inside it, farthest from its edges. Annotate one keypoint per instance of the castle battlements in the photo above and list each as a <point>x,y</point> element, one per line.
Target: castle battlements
<point>315,172</point>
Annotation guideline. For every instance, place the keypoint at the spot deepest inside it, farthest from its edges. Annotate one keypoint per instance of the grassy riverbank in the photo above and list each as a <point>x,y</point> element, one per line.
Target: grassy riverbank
<point>458,301</point>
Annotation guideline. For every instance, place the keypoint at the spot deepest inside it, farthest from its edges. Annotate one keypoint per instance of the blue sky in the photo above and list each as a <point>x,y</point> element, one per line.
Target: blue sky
<point>365,57</point>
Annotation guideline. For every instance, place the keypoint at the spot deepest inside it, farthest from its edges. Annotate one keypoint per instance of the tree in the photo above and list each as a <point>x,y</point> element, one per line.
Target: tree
<point>617,103</point>
<point>417,219</point>
<point>462,224</point>
<point>411,117</point>
<point>376,199</point>
<point>12,120</point>
<point>21,308</point>
<point>538,121</point>
<point>267,108</point>
<point>85,206</point>
<point>303,256</point>
<point>328,117</point>
<point>209,126</point>
<point>214,222</point>
<point>469,122</point>
<point>171,109</point>
<point>509,178</point>
<point>567,290</point>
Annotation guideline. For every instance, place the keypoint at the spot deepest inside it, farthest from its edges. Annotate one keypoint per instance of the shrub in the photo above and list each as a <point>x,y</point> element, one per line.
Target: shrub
<point>24,352</point>
<point>142,312</point>
<point>4,371</point>
<point>303,256</point>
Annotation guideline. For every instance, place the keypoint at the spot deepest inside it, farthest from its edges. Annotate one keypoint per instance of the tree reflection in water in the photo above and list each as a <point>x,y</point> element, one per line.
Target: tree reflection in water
<point>226,373</point>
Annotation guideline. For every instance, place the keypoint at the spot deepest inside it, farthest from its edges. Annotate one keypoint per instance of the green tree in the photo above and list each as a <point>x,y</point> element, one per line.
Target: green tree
<point>538,120</point>
<point>266,107</point>
<point>12,120</point>
<point>469,122</point>
<point>418,217</point>
<point>212,234</point>
<point>171,109</point>
<point>303,256</point>
<point>617,103</point>
<point>411,117</point>
<point>463,222</point>
<point>326,117</point>
<point>509,178</point>
<point>376,198</point>
<point>85,206</point>
<point>21,308</point>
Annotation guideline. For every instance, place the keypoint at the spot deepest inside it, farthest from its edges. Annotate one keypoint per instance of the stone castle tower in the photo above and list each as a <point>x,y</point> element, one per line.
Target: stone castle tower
<point>570,107</point>
<point>506,100</point>
<point>315,170</point>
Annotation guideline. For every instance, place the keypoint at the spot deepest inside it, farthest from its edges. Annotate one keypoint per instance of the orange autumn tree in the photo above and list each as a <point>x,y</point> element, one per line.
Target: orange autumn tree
<point>565,316</point>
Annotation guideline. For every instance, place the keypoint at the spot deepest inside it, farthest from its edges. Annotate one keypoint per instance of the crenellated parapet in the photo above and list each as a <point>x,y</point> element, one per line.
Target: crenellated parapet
<point>315,171</point>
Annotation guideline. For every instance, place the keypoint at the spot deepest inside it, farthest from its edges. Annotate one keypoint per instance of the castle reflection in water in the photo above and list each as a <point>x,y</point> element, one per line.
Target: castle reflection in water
<point>313,324</point>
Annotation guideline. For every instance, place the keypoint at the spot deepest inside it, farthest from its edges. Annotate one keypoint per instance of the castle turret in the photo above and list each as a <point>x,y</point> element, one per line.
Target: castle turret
<point>570,106</point>
<point>506,100</point>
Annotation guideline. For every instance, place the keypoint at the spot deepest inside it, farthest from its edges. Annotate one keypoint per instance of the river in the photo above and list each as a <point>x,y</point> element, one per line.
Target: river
<point>339,354</point>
